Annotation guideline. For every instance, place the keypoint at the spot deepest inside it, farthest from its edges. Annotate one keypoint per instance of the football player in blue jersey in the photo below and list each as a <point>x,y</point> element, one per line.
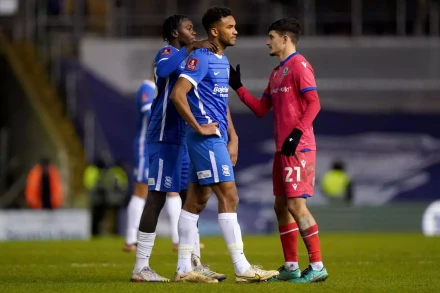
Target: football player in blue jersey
<point>166,141</point>
<point>144,98</point>
<point>201,98</point>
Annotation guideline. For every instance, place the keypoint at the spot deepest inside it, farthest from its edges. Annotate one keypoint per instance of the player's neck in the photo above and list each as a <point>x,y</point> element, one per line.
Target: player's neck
<point>286,53</point>
<point>220,48</point>
<point>175,44</point>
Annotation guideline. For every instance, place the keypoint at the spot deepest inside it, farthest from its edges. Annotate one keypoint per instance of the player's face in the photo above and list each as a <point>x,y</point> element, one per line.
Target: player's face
<point>275,43</point>
<point>186,32</point>
<point>226,32</point>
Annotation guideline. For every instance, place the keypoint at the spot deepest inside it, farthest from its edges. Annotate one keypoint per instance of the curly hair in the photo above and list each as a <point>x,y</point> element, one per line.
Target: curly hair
<point>213,15</point>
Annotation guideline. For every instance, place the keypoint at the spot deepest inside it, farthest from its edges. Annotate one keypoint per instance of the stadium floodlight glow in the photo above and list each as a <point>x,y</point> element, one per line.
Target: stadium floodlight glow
<point>8,7</point>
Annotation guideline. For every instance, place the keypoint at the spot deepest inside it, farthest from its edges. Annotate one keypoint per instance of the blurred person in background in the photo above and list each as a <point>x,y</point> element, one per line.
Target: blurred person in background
<point>169,160</point>
<point>93,179</point>
<point>337,185</point>
<point>44,187</point>
<point>292,93</point>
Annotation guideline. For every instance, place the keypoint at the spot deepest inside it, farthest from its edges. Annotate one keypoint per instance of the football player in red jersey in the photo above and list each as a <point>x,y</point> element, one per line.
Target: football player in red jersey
<point>292,93</point>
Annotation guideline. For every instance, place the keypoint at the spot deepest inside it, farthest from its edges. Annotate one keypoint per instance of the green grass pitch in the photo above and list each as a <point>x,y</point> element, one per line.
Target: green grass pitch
<point>355,262</point>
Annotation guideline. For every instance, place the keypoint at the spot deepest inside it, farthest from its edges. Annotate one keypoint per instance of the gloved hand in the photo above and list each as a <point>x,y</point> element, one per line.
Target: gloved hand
<point>234,77</point>
<point>291,142</point>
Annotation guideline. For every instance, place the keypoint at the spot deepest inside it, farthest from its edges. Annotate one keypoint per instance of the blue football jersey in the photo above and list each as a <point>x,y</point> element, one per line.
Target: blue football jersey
<point>144,97</point>
<point>208,99</point>
<point>166,124</point>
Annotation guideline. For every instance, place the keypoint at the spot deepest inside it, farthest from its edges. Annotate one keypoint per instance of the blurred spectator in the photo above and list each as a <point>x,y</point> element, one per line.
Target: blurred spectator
<point>43,187</point>
<point>337,184</point>
<point>93,179</point>
<point>108,188</point>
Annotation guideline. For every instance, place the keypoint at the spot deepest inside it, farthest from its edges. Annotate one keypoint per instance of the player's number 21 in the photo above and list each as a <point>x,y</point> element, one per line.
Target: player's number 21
<point>290,170</point>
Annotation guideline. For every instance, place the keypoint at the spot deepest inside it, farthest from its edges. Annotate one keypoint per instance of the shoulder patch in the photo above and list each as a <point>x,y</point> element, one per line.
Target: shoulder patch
<point>192,64</point>
<point>144,97</point>
<point>166,51</point>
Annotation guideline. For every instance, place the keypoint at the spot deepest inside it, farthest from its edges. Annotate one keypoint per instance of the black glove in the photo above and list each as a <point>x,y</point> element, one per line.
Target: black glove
<point>291,142</point>
<point>234,77</point>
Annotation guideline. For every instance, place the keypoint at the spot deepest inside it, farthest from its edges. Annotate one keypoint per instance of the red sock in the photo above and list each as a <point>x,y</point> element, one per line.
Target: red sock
<point>289,241</point>
<point>311,240</point>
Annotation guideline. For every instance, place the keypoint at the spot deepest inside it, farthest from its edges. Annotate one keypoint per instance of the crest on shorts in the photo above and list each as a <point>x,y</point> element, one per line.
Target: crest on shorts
<point>286,69</point>
<point>192,64</point>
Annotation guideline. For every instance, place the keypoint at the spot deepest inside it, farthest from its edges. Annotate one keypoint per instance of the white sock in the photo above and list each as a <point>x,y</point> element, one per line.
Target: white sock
<point>291,265</point>
<point>145,243</point>
<point>317,266</point>
<point>187,236</point>
<point>134,213</point>
<point>232,234</point>
<point>173,206</point>
<point>195,254</point>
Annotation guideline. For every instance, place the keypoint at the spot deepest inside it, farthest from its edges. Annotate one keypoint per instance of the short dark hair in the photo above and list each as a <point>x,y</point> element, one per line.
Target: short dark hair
<point>171,24</point>
<point>213,15</point>
<point>287,26</point>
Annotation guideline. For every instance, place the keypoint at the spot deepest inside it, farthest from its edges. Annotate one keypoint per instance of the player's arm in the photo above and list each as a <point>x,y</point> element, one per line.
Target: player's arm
<point>170,59</point>
<point>178,97</point>
<point>260,107</point>
<point>304,79</point>
<point>145,95</point>
<point>232,140</point>
<point>194,72</point>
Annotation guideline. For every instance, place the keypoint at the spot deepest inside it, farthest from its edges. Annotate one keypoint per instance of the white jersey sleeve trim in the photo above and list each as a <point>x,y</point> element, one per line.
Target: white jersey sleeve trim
<point>190,79</point>
<point>146,107</point>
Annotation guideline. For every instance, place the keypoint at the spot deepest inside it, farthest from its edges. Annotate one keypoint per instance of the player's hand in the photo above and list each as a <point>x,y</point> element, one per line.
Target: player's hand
<point>235,77</point>
<point>205,44</point>
<point>209,129</point>
<point>291,143</point>
<point>233,151</point>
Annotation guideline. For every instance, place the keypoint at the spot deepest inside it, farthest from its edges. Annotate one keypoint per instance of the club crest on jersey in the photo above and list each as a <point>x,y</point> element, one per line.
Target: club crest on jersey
<point>285,70</point>
<point>192,64</point>
<point>144,97</point>
<point>166,51</point>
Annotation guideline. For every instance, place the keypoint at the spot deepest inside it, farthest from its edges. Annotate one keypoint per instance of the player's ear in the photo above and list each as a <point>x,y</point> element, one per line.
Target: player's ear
<point>214,32</point>
<point>175,34</point>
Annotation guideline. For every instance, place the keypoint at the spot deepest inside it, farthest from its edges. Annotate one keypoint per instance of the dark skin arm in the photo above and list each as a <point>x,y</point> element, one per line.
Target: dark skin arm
<point>178,97</point>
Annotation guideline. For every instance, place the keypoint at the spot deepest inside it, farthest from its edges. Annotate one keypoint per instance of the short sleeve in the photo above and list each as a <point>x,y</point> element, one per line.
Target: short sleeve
<point>145,96</point>
<point>164,53</point>
<point>304,77</point>
<point>196,67</point>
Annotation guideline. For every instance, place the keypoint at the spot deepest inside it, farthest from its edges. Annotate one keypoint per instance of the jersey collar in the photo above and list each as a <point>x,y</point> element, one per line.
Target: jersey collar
<point>288,58</point>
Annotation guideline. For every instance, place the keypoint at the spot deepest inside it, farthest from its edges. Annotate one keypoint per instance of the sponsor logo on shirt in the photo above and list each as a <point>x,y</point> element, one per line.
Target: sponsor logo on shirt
<point>192,64</point>
<point>221,90</point>
<point>284,89</point>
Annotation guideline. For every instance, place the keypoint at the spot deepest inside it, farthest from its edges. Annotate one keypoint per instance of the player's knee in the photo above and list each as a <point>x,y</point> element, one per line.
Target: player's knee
<point>297,206</point>
<point>194,204</point>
